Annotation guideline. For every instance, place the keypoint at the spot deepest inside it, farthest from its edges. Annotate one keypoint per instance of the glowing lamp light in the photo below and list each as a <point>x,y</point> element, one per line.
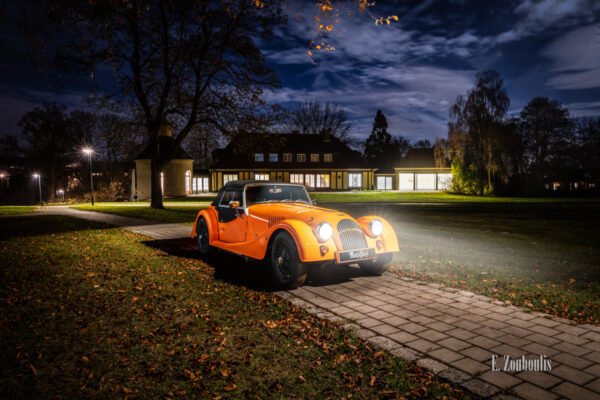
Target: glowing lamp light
<point>36,175</point>
<point>88,151</point>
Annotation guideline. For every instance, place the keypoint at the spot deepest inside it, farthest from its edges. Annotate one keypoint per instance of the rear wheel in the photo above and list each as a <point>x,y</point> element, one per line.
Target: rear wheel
<point>377,266</point>
<point>286,268</point>
<point>202,237</point>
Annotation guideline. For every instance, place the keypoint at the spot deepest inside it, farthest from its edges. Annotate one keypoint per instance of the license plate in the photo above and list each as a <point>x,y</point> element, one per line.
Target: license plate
<point>355,255</point>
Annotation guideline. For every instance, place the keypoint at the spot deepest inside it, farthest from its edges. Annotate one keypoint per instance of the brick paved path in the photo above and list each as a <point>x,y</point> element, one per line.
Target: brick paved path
<point>447,331</point>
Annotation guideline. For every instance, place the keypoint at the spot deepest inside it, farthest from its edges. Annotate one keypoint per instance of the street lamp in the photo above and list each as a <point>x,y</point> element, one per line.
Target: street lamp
<point>60,191</point>
<point>39,178</point>
<point>88,151</point>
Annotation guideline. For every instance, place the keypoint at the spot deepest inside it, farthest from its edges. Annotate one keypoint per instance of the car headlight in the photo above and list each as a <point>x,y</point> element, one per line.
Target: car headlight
<point>324,231</point>
<point>376,227</point>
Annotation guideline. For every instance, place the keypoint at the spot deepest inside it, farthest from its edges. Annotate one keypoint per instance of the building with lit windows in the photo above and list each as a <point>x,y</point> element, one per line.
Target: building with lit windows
<point>319,162</point>
<point>417,172</point>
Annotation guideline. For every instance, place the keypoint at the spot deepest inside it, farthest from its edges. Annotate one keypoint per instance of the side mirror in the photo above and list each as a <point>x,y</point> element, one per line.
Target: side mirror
<point>234,204</point>
<point>314,202</point>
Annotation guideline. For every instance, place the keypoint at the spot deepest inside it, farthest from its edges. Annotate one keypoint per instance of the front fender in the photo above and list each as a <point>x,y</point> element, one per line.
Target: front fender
<point>309,247</point>
<point>211,221</point>
<point>389,241</point>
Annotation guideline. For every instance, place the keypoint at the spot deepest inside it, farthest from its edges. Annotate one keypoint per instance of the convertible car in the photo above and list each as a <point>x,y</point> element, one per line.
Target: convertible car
<point>277,222</point>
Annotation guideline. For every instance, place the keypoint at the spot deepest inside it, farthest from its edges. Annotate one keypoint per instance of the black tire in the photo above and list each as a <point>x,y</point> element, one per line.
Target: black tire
<point>203,238</point>
<point>286,269</point>
<point>377,266</point>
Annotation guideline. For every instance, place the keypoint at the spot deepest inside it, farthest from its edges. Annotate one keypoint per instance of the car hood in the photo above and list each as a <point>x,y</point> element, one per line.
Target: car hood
<point>310,214</point>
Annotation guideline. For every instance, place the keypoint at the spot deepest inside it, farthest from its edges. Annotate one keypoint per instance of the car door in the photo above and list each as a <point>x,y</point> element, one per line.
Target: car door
<point>232,222</point>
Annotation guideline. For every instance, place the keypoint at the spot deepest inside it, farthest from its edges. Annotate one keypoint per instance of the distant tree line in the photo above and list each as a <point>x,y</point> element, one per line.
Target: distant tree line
<point>491,152</point>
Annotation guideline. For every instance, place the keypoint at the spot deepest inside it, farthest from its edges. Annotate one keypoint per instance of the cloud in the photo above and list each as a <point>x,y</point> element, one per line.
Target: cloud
<point>575,59</point>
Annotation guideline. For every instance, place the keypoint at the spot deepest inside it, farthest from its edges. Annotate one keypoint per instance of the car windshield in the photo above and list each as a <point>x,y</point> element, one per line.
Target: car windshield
<point>276,194</point>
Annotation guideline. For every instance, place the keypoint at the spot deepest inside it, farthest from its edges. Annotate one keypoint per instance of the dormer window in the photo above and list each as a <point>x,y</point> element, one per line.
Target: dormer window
<point>328,157</point>
<point>259,157</point>
<point>300,157</point>
<point>314,157</point>
<point>273,157</point>
<point>287,157</point>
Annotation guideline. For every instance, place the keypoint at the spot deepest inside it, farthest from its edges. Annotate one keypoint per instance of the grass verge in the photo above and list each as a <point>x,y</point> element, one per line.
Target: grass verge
<point>90,312</point>
<point>9,210</point>
<point>177,214</point>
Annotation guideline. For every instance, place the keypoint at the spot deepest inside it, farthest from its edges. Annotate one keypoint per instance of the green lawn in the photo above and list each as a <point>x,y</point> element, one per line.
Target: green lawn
<point>89,311</point>
<point>178,214</point>
<point>7,210</point>
<point>437,197</point>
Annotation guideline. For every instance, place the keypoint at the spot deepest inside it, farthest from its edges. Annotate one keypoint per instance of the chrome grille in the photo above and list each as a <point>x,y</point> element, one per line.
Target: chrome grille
<point>351,235</point>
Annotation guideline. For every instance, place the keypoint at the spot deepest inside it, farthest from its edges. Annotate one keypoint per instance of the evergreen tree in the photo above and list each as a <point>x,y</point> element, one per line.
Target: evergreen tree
<point>379,140</point>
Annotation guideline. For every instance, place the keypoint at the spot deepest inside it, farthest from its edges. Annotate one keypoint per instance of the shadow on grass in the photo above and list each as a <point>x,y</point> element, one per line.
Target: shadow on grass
<point>15,227</point>
<point>251,274</point>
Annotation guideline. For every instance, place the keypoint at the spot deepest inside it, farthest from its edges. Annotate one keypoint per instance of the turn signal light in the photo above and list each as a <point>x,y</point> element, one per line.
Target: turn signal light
<point>324,250</point>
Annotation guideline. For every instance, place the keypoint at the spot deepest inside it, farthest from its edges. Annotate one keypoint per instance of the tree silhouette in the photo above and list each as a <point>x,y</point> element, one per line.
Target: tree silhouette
<point>315,118</point>
<point>378,142</point>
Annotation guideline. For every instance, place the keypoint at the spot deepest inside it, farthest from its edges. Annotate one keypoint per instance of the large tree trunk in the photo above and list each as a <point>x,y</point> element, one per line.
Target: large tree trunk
<point>156,190</point>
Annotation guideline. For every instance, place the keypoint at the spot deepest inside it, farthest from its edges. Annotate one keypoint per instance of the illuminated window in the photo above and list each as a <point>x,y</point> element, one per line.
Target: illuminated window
<point>355,180</point>
<point>188,178</point>
<point>259,157</point>
<point>300,157</point>
<point>406,181</point>
<point>261,177</point>
<point>287,157</point>
<point>444,181</point>
<point>309,180</point>
<point>425,181</point>
<point>322,181</point>
<point>328,157</point>
<point>273,157</point>
<point>384,183</point>
<point>229,178</point>
<point>314,157</point>
<point>297,178</point>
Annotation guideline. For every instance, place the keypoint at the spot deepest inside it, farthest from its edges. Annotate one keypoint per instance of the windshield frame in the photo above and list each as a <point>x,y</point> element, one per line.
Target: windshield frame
<point>278,201</point>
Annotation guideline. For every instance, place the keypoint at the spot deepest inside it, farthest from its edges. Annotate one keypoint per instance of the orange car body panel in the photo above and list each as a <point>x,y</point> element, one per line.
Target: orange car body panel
<point>249,234</point>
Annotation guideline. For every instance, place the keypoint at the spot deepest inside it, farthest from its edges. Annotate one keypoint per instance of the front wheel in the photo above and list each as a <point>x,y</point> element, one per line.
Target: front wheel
<point>286,268</point>
<point>377,266</point>
<point>202,237</point>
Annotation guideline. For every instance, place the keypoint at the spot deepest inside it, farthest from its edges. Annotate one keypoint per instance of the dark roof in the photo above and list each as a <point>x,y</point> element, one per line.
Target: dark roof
<point>239,154</point>
<point>164,144</point>
<point>418,158</point>
<point>385,170</point>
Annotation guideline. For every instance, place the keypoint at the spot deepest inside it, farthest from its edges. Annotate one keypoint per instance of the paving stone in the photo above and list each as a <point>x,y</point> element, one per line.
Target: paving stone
<point>484,342</point>
<point>513,340</point>
<point>403,337</point>
<point>432,365</point>
<point>571,348</point>
<point>432,335</point>
<point>440,326</point>
<point>542,379</point>
<point>480,387</point>
<point>491,323</point>
<point>543,329</point>
<point>467,325</point>
<point>474,318</point>
<point>575,392</point>
<point>505,349</point>
<point>593,356</point>
<point>542,339</point>
<point>454,375</point>
<point>593,346</point>
<point>460,333</point>
<point>365,333</point>
<point>383,342</point>
<point>369,322</point>
<point>500,379</point>
<point>572,361</point>
<point>526,316</point>
<point>471,366</point>
<point>595,336</point>
<point>572,374</point>
<point>595,385</point>
<point>529,392</point>
<point>503,396</point>
<point>574,330</point>
<point>445,355</point>
<point>413,328</point>
<point>365,309</point>
<point>380,314</point>
<point>594,370</point>
<point>422,319</point>
<point>406,353</point>
<point>535,348</point>
<point>422,345</point>
<point>478,354</point>
<point>402,313</point>
<point>546,322</point>
<point>396,321</point>
<point>385,329</point>
<point>515,330</point>
<point>454,344</point>
<point>578,340</point>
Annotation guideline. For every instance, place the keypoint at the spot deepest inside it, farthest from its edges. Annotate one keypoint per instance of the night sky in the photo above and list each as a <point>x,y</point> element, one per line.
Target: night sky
<point>413,69</point>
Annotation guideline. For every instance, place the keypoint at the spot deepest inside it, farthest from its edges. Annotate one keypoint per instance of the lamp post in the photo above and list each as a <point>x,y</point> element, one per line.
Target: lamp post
<point>39,178</point>
<point>60,191</point>
<point>88,151</point>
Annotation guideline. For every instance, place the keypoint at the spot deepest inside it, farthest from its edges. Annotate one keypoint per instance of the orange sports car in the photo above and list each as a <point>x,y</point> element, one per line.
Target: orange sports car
<point>277,222</point>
